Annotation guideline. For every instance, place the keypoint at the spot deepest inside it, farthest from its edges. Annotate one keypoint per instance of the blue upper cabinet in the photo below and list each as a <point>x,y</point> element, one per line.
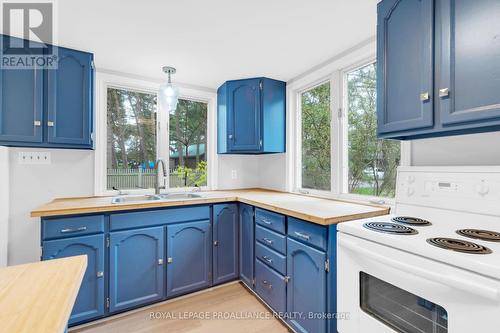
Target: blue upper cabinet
<point>251,116</point>
<point>21,102</point>
<point>136,267</point>
<point>225,243</point>
<point>438,68</point>
<point>405,74</point>
<point>69,98</point>
<point>90,300</point>
<point>49,108</point>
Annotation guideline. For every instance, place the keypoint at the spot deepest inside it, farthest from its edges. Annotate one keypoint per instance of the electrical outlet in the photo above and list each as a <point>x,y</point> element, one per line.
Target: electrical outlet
<point>34,157</point>
<point>234,174</point>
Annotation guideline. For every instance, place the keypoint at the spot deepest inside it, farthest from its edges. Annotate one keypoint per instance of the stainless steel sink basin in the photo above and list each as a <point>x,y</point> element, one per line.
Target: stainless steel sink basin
<point>178,196</point>
<point>151,197</point>
<point>134,198</point>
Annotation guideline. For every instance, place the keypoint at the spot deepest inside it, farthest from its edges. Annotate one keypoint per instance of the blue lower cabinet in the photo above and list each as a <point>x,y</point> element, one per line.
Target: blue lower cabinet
<point>225,243</point>
<point>306,289</point>
<point>270,286</point>
<point>247,243</point>
<point>137,271</point>
<point>188,257</point>
<point>90,300</point>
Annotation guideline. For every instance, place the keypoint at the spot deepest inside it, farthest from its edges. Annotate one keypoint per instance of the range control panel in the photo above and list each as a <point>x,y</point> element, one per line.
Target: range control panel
<point>475,190</point>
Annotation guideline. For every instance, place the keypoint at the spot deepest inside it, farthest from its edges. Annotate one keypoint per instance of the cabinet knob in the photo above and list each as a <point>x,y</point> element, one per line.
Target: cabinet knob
<point>50,123</point>
<point>230,136</point>
<point>170,260</point>
<point>100,274</point>
<point>160,261</point>
<point>216,243</point>
<point>445,92</point>
<point>37,123</point>
<point>424,97</point>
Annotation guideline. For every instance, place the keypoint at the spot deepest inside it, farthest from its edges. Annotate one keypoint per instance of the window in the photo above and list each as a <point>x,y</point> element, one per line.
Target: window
<point>135,142</point>
<point>372,162</point>
<point>316,140</point>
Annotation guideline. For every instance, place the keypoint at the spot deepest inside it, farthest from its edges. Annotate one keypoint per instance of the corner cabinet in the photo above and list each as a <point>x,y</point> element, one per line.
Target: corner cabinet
<point>225,243</point>
<point>48,108</point>
<point>251,116</point>
<point>247,236</point>
<point>438,68</point>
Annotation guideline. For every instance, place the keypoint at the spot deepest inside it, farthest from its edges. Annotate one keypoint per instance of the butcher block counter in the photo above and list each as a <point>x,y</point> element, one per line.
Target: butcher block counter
<point>313,209</point>
<point>38,297</point>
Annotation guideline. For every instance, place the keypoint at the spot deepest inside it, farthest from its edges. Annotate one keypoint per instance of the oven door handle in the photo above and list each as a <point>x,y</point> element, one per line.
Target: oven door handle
<point>456,282</point>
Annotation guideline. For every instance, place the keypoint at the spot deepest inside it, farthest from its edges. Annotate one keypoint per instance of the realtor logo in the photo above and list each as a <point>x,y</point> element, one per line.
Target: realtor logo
<point>30,26</point>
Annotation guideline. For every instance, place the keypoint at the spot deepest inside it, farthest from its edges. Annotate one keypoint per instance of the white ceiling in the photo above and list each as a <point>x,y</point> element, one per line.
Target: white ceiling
<point>213,41</point>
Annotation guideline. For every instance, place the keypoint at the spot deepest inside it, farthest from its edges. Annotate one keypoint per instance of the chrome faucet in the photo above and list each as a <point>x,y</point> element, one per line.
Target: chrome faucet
<point>157,183</point>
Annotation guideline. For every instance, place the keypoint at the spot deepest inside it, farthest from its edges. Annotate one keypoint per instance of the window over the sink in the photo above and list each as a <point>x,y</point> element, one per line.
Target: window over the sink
<point>135,136</point>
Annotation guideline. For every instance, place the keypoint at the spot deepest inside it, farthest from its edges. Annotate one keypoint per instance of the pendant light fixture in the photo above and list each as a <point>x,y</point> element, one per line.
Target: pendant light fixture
<point>169,94</point>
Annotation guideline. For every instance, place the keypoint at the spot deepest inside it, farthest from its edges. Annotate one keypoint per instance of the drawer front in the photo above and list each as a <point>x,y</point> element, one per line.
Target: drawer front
<point>121,221</point>
<point>308,233</point>
<point>270,239</point>
<point>271,258</point>
<point>270,286</point>
<point>270,220</point>
<point>62,227</point>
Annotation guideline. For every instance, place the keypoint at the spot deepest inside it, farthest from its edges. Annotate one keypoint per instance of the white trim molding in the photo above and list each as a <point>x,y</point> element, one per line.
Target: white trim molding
<point>106,79</point>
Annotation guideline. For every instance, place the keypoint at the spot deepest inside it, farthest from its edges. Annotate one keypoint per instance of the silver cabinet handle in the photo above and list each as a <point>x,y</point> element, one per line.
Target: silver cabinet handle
<point>424,97</point>
<point>37,123</point>
<point>170,260</point>
<point>266,258</point>
<point>266,221</point>
<point>267,284</point>
<point>445,92</point>
<point>230,136</point>
<point>216,243</point>
<point>50,123</point>
<point>160,261</point>
<point>301,235</point>
<point>100,274</point>
<point>268,241</point>
<point>70,230</point>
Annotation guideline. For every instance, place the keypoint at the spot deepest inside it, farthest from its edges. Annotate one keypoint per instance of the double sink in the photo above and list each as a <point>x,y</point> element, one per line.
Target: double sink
<point>153,197</point>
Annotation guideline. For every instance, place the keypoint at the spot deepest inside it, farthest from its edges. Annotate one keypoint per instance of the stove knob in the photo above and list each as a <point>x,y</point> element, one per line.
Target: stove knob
<point>482,189</point>
<point>410,191</point>
<point>410,179</point>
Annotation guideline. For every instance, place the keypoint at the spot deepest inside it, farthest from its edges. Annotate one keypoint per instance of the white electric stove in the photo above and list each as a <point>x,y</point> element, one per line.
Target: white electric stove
<point>431,266</point>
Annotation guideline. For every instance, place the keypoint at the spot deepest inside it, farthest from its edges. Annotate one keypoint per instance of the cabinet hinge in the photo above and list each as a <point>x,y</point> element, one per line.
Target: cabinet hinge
<point>327,265</point>
<point>41,252</point>
<point>107,241</point>
<point>92,64</point>
<point>260,143</point>
<point>260,85</point>
<point>287,278</point>
<point>107,302</point>
<point>253,282</point>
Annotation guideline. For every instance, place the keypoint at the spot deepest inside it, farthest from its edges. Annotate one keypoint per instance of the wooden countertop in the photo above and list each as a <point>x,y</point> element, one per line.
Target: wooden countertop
<point>39,297</point>
<point>312,209</point>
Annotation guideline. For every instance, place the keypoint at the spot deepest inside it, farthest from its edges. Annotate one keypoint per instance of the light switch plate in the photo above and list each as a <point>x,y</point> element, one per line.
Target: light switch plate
<point>234,174</point>
<point>34,157</point>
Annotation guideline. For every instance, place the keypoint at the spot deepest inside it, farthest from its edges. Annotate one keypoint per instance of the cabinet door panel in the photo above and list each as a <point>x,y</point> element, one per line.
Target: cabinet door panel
<point>306,289</point>
<point>247,243</point>
<point>70,99</point>
<point>90,300</point>
<point>136,267</point>
<point>21,101</point>
<point>469,57</point>
<point>225,236</point>
<point>244,115</point>
<point>189,257</point>
<point>405,64</point>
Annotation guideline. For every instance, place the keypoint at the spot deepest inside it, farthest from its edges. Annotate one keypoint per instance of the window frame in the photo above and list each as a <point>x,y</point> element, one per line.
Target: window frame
<point>105,80</point>
<point>339,136</point>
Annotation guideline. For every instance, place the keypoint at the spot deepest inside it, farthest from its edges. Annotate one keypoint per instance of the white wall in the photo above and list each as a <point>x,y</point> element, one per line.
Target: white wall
<point>71,173</point>
<point>4,204</point>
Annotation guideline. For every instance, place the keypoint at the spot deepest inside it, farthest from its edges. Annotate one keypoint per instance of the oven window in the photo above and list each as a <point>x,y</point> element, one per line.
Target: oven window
<point>399,309</point>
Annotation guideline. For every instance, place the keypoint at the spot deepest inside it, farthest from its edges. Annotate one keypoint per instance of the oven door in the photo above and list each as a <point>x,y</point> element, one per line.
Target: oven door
<point>384,290</point>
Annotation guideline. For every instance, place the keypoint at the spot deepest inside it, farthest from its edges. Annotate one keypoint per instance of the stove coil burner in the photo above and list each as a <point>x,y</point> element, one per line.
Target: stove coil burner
<point>390,228</point>
<point>458,245</point>
<point>410,220</point>
<point>486,235</point>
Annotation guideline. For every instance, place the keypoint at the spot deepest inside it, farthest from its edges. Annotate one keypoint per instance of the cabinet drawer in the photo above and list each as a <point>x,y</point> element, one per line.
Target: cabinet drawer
<point>271,239</point>
<point>61,227</point>
<point>308,233</point>
<point>270,286</point>
<point>271,258</point>
<point>270,220</point>
<point>142,219</point>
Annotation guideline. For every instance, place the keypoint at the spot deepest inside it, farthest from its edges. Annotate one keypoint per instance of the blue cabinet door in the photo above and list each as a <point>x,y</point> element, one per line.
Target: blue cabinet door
<point>21,100</point>
<point>469,73</point>
<point>69,94</point>
<point>189,257</point>
<point>244,115</point>
<point>247,243</point>
<point>306,289</point>
<point>405,39</point>
<point>137,271</point>
<point>90,300</point>
<point>225,243</point>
